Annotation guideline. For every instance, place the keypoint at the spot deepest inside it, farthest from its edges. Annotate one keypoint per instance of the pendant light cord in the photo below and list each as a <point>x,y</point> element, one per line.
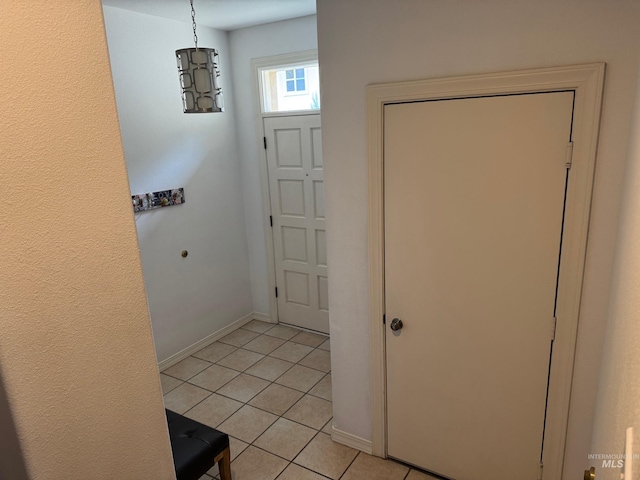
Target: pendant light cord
<point>193,21</point>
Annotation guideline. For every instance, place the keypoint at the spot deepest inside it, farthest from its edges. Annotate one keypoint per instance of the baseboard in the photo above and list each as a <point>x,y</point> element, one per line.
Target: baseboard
<point>352,441</point>
<point>208,340</point>
<point>263,317</point>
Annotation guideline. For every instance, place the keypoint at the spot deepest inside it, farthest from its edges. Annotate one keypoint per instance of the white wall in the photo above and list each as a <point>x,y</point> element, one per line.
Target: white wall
<point>76,352</point>
<point>189,298</point>
<point>266,40</point>
<point>619,391</point>
<point>362,42</point>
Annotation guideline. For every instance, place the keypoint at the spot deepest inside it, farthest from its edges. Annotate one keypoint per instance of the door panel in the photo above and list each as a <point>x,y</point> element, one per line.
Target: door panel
<point>474,199</point>
<point>296,184</point>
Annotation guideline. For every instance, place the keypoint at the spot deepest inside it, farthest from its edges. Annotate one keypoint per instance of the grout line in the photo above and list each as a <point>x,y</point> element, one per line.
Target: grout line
<point>296,403</point>
<point>302,450</point>
<point>354,459</point>
<point>164,393</point>
<point>221,358</point>
<point>304,468</point>
<point>183,380</point>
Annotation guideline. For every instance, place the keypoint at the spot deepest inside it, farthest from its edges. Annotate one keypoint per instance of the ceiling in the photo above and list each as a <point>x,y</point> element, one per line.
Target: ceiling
<point>221,14</point>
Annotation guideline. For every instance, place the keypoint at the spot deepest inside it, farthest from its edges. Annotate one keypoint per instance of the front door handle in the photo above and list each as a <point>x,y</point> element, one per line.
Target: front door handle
<point>396,324</point>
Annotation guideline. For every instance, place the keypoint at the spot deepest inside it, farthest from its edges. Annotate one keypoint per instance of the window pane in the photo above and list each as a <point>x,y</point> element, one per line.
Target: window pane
<point>290,86</point>
<point>299,72</point>
<point>300,85</point>
<point>289,74</point>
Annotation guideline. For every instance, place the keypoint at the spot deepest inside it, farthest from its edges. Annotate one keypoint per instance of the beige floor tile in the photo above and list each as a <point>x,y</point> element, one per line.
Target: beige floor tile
<point>285,438</point>
<point>187,368</point>
<point>258,326</point>
<point>323,389</point>
<point>325,346</point>
<point>282,332</point>
<point>327,428</point>
<point>291,352</point>
<point>240,360</point>
<point>214,377</point>
<point>213,410</point>
<point>239,337</point>
<point>237,447</point>
<point>326,457</point>
<point>318,359</point>
<point>243,387</point>
<point>269,368</point>
<point>311,411</point>
<point>247,424</point>
<point>264,344</point>
<point>310,339</point>
<point>366,467</point>
<point>184,397</point>
<point>300,378</point>
<point>416,475</point>
<point>256,464</point>
<point>169,383</point>
<point>296,472</point>
<point>214,352</point>
<point>276,399</point>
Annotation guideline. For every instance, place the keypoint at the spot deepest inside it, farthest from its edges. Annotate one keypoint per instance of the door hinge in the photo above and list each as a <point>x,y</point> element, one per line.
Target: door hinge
<point>554,321</point>
<point>569,157</point>
<point>276,292</point>
<point>540,472</point>
<point>265,142</point>
<point>384,319</point>
<point>271,220</point>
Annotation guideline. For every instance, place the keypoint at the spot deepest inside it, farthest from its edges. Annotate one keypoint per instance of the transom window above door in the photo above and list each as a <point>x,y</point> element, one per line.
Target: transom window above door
<point>290,88</point>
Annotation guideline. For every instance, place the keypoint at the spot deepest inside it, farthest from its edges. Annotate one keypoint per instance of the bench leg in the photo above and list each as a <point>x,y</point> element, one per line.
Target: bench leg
<point>224,464</point>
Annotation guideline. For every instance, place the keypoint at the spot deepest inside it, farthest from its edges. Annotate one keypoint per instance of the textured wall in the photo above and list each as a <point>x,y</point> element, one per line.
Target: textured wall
<point>619,390</point>
<point>76,351</point>
<point>296,35</point>
<point>189,298</point>
<point>362,42</point>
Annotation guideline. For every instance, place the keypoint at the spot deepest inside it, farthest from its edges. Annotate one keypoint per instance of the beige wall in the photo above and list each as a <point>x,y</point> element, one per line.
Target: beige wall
<point>619,390</point>
<point>76,351</point>
<point>361,42</point>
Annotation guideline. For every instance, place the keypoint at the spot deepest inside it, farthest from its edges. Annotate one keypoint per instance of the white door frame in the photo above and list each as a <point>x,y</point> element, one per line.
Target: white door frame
<point>257,66</point>
<point>587,82</point>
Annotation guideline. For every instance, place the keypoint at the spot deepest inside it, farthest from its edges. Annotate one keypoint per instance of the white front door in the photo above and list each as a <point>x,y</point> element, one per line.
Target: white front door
<point>296,190</point>
<point>474,202</point>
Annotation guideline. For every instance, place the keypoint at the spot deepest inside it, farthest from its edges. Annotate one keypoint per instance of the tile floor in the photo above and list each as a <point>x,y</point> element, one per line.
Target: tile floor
<point>269,388</point>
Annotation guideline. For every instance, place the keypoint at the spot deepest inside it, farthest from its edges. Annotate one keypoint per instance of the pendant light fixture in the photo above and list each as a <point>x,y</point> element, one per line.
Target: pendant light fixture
<point>198,69</point>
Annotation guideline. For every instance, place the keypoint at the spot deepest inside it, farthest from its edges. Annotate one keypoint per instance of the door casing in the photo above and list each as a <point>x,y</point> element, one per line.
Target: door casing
<point>587,81</point>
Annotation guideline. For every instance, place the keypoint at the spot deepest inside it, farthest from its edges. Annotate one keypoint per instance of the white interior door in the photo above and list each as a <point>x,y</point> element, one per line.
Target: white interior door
<point>296,189</point>
<point>474,201</point>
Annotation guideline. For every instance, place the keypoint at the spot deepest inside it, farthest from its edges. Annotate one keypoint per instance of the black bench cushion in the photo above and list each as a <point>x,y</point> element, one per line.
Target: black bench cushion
<point>194,446</point>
